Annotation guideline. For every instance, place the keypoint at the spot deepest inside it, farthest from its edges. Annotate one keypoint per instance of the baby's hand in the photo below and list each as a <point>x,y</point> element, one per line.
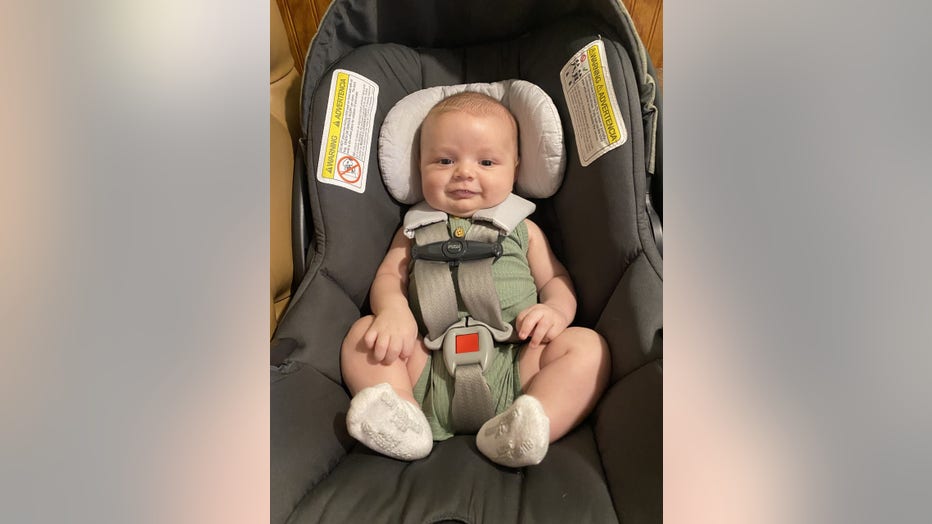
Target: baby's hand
<point>392,334</point>
<point>542,323</point>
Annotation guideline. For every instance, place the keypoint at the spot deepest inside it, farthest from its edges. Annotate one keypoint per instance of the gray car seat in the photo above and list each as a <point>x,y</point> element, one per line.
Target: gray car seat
<point>600,224</point>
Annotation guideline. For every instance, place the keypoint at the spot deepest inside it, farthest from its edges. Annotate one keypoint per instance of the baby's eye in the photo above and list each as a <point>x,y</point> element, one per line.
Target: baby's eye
<point>486,163</point>
<point>445,161</point>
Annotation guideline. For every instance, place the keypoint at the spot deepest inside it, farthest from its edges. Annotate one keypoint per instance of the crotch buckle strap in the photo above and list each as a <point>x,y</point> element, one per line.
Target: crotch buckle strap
<point>467,350</point>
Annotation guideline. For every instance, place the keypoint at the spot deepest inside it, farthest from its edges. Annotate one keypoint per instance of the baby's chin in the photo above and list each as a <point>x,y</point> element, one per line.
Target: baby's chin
<point>461,208</point>
<point>461,212</point>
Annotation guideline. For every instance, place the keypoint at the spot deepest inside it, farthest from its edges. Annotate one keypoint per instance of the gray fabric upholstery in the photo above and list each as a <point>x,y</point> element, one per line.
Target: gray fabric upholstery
<point>607,470</point>
<point>455,482</point>
<point>308,432</point>
<point>629,430</point>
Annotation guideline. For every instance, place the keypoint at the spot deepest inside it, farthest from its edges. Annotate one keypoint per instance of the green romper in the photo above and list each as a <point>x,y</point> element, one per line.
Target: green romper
<point>516,291</point>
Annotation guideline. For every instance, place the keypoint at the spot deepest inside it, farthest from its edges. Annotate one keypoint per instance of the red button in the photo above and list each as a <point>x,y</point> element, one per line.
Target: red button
<point>467,343</point>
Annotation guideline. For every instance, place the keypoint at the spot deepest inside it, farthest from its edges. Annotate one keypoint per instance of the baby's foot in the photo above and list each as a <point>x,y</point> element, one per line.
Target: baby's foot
<point>389,424</point>
<point>517,437</point>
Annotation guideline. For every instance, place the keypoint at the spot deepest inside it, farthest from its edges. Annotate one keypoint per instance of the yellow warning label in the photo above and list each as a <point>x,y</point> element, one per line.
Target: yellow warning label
<point>347,131</point>
<point>601,93</point>
<point>598,123</point>
<point>336,125</point>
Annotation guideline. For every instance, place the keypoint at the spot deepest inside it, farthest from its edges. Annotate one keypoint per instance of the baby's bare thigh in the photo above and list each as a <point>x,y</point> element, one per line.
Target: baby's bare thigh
<point>531,360</point>
<point>415,363</point>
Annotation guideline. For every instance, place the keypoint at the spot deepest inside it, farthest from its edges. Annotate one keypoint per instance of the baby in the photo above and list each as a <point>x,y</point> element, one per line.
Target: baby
<point>540,388</point>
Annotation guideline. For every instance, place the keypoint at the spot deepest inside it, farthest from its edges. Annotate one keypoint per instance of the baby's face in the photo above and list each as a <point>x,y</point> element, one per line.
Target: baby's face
<point>468,161</point>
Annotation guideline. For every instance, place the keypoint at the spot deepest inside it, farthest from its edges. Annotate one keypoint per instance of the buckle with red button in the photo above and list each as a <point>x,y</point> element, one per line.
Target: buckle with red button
<point>465,345</point>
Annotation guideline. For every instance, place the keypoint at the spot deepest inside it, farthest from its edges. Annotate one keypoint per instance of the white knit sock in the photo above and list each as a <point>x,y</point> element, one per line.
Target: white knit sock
<point>389,424</point>
<point>517,437</point>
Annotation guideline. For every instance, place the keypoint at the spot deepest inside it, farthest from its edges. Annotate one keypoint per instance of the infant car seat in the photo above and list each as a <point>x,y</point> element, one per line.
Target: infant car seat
<point>600,224</point>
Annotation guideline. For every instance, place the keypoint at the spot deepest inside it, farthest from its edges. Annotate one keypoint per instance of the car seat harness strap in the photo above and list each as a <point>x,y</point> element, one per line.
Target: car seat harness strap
<point>437,310</point>
<point>439,278</point>
<point>467,344</point>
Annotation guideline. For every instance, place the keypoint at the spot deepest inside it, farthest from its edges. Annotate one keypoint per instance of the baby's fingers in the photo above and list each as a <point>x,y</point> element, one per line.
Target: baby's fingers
<point>380,348</point>
<point>553,332</point>
<point>370,337</point>
<point>394,349</point>
<point>528,323</point>
<point>540,331</point>
<point>407,348</point>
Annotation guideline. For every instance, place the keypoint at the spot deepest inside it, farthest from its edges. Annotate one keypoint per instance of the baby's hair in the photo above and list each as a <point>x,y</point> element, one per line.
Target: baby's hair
<point>474,103</point>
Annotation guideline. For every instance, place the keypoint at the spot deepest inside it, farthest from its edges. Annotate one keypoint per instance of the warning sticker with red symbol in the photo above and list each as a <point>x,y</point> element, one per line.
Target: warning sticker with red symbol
<point>593,107</point>
<point>344,147</point>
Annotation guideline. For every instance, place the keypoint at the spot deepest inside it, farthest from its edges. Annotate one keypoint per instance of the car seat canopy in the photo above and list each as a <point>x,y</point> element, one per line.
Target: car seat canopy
<point>540,138</point>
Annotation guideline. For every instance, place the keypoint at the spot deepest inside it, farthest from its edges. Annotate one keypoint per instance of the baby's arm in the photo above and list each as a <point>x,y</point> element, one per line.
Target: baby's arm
<point>544,321</point>
<point>393,332</point>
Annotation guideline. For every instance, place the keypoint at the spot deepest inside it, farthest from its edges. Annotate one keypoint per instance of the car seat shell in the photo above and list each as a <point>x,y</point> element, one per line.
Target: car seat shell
<point>609,468</point>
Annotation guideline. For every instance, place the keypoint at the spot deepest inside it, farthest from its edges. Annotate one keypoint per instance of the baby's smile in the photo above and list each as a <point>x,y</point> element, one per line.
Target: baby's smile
<point>463,193</point>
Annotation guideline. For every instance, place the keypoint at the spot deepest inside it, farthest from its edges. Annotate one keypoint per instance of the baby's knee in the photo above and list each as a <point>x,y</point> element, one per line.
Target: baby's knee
<point>590,347</point>
<point>586,338</point>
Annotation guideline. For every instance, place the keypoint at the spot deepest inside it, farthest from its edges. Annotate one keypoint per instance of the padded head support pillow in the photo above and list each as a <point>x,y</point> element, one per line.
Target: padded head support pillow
<point>540,138</point>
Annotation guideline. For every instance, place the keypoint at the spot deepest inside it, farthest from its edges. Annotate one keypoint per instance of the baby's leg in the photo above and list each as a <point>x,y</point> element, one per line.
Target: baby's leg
<point>360,370</point>
<point>383,414</point>
<point>562,382</point>
<point>567,376</point>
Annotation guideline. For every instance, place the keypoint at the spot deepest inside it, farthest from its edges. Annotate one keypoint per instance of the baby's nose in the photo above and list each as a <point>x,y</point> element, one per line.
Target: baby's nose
<point>463,171</point>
